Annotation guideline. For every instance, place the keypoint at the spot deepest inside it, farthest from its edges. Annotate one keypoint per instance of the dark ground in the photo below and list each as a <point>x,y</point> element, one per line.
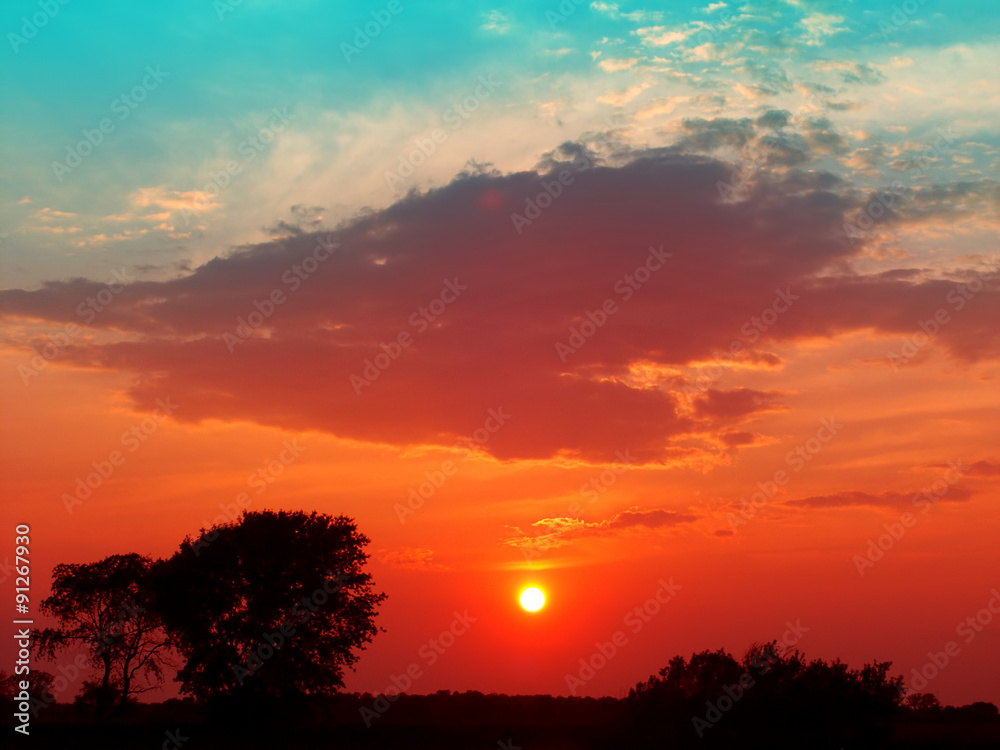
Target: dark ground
<point>473,720</point>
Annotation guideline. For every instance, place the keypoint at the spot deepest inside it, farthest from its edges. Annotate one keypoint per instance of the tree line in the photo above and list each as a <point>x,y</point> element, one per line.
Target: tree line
<point>263,615</point>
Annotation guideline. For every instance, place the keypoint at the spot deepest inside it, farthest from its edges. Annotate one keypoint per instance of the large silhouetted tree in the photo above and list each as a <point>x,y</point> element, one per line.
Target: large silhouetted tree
<point>272,606</point>
<point>102,608</point>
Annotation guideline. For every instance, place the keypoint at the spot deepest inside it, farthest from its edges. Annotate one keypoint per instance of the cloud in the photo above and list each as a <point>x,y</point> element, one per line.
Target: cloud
<point>853,72</point>
<point>820,25</point>
<point>735,405</point>
<point>661,107</point>
<point>704,53</point>
<point>653,519</point>
<point>530,287</point>
<point>552,533</point>
<point>709,135</point>
<point>496,21</point>
<point>983,468</point>
<point>621,98</point>
<point>823,138</point>
<point>612,10</point>
<point>886,499</point>
<point>612,65</point>
<point>659,36</point>
<point>411,558</point>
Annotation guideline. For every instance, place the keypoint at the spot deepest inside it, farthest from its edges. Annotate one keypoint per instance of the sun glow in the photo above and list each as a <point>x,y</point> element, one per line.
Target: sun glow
<point>532,599</point>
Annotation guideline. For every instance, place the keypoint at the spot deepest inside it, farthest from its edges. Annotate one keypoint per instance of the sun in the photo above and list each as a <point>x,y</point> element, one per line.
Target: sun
<point>533,599</point>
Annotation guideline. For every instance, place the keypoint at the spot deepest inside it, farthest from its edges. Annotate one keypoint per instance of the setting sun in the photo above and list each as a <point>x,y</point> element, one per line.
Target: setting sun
<point>532,599</point>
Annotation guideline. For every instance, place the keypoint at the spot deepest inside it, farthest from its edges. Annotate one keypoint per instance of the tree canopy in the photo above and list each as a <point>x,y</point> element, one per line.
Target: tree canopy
<point>714,697</point>
<point>274,605</point>
<point>103,608</point>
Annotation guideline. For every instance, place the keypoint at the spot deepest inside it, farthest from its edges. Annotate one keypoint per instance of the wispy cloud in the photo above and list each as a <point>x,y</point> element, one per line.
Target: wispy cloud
<point>551,533</point>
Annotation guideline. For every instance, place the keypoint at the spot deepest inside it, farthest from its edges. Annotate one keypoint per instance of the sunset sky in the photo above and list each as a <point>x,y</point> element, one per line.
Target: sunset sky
<point>619,300</point>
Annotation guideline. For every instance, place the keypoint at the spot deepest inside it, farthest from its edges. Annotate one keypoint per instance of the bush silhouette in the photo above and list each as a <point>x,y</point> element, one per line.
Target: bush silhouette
<point>768,695</point>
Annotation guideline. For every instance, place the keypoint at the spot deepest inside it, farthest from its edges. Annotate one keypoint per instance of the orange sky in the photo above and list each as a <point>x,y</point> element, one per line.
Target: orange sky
<point>784,564</point>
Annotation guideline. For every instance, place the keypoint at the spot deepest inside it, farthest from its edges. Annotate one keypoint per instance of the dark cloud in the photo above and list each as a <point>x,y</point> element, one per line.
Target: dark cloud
<point>709,135</point>
<point>736,439</point>
<point>823,138</point>
<point>774,119</point>
<point>785,150</point>
<point>887,498</point>
<point>411,558</point>
<point>983,468</point>
<point>529,288</point>
<point>737,404</point>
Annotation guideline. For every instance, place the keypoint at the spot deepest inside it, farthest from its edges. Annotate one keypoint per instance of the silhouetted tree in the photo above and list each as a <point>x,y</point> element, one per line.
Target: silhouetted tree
<point>93,695</point>
<point>102,607</point>
<point>922,702</point>
<point>273,606</point>
<point>713,699</point>
<point>39,688</point>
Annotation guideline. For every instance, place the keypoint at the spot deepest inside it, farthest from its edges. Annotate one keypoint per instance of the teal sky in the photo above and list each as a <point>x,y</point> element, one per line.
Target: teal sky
<point>876,81</point>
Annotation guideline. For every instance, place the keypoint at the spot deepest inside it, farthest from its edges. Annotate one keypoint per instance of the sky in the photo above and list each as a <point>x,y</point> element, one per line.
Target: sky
<point>686,314</point>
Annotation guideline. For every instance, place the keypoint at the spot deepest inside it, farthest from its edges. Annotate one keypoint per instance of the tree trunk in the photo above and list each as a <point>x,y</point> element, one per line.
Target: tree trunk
<point>103,695</point>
